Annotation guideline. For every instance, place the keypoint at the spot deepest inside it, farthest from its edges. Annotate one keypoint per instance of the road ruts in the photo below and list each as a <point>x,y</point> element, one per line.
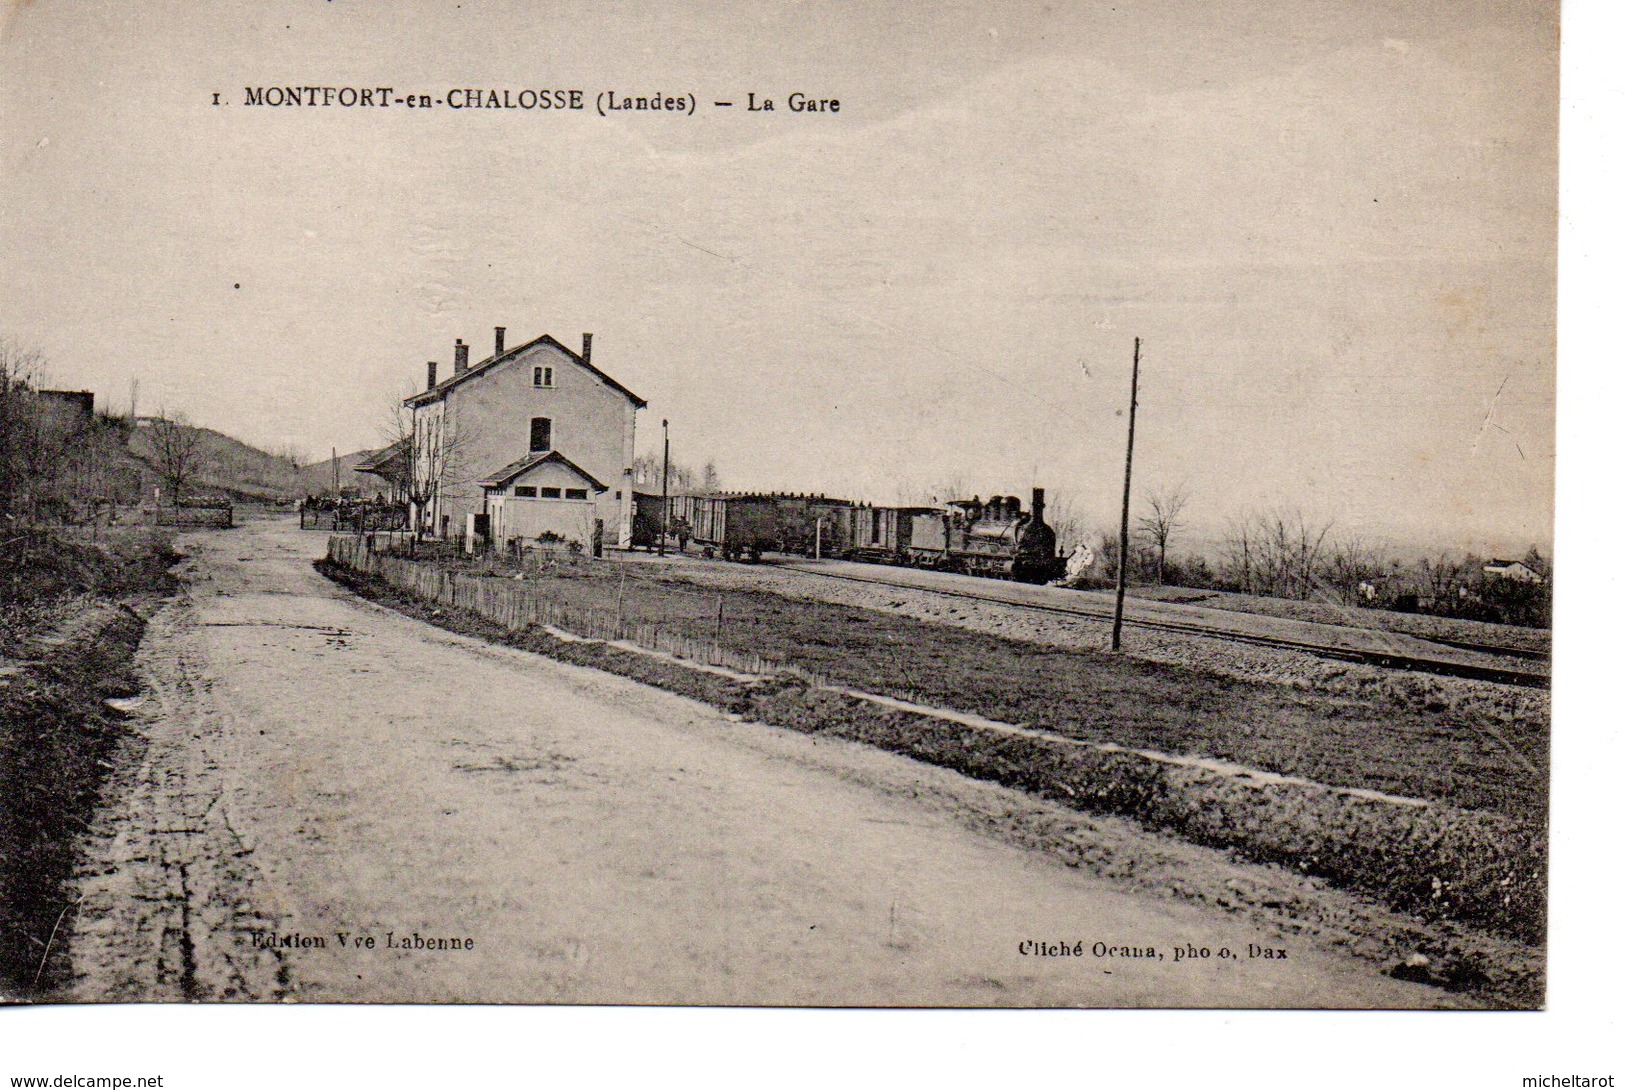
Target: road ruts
<point>166,897</point>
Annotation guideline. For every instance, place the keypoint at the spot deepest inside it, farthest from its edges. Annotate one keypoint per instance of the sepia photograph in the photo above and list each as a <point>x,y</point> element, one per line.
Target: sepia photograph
<point>978,505</point>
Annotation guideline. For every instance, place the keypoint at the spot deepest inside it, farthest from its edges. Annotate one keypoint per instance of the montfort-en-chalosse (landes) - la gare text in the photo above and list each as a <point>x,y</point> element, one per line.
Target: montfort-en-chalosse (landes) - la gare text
<point>604,103</point>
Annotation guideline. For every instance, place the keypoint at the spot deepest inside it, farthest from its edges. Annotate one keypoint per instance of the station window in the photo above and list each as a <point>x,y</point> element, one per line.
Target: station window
<point>550,493</point>
<point>541,434</point>
<point>575,493</point>
<point>542,377</point>
<point>525,491</point>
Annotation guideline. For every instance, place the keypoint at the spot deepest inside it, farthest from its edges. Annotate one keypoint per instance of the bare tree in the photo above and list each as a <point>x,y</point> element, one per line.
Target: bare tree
<point>1238,551</point>
<point>1071,529</point>
<point>1276,553</point>
<point>1351,563</point>
<point>20,372</point>
<point>1444,574</point>
<point>683,479</point>
<point>1159,526</point>
<point>176,446</point>
<point>291,453</point>
<point>429,451</point>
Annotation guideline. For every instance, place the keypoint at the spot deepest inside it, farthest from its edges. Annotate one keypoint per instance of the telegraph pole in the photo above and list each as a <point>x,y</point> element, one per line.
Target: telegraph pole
<point>665,482</point>
<point>1122,536</point>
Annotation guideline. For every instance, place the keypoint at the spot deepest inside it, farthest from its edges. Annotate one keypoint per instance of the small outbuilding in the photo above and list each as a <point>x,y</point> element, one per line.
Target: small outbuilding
<point>544,496</point>
<point>1515,570</point>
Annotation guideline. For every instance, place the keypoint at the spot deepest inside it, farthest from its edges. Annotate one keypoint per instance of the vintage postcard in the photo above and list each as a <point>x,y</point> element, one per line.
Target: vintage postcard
<point>775,504</point>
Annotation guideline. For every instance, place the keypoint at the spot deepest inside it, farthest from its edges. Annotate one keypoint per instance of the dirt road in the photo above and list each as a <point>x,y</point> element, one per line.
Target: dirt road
<point>322,800</point>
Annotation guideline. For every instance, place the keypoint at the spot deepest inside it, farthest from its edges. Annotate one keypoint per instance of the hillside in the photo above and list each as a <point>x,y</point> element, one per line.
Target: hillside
<point>226,466</point>
<point>317,477</point>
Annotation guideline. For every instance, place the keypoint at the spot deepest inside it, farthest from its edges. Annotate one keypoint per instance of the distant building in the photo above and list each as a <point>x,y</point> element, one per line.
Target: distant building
<point>81,403</point>
<point>476,425</point>
<point>1515,570</point>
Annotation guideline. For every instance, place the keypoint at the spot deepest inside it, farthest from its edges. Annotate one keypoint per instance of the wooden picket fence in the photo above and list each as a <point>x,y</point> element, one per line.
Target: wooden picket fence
<point>520,604</point>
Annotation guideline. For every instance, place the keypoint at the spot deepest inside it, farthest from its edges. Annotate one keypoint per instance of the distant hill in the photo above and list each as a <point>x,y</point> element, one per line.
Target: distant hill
<point>227,466</point>
<point>317,477</point>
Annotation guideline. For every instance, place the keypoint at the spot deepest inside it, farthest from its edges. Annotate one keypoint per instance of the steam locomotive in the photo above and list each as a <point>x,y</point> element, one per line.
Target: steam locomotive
<point>996,538</point>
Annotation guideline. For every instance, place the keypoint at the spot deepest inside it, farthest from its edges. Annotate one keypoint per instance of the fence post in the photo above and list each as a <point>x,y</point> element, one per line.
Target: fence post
<point>716,634</point>
<point>620,600</point>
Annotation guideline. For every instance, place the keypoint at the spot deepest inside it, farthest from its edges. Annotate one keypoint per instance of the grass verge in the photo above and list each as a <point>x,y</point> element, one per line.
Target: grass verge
<point>56,737</point>
<point>66,642</point>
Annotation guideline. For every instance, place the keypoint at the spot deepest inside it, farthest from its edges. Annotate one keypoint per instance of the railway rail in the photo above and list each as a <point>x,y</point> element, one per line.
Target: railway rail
<point>1393,660</point>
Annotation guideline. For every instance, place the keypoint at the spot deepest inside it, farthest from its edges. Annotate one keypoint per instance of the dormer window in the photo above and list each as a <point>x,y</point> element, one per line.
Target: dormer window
<point>541,377</point>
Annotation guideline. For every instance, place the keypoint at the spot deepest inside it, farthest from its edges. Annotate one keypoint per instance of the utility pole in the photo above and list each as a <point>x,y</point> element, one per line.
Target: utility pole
<point>665,481</point>
<point>335,472</point>
<point>1122,536</point>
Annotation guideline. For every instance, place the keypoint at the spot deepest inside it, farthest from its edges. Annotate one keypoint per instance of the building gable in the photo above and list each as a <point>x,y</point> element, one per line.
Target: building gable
<point>523,355</point>
<point>550,467</point>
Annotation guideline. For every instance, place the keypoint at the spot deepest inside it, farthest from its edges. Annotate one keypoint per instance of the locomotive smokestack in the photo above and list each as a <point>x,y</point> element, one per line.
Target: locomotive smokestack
<point>1038,505</point>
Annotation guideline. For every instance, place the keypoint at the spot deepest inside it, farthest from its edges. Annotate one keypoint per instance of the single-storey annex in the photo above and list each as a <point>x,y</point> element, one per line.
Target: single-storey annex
<point>542,496</point>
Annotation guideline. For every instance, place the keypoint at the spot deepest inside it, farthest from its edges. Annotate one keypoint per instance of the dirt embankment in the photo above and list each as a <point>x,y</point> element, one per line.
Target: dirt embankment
<point>67,635</point>
<point>56,736</point>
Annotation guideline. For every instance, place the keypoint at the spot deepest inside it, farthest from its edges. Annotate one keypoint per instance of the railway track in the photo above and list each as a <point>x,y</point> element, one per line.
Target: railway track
<point>1393,660</point>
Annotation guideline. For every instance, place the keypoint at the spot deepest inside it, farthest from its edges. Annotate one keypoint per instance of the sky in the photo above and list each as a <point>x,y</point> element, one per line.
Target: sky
<point>1331,222</point>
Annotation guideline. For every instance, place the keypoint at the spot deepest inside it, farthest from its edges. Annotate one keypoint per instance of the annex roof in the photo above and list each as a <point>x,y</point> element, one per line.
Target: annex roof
<point>490,362</point>
<point>379,461</point>
<point>507,473</point>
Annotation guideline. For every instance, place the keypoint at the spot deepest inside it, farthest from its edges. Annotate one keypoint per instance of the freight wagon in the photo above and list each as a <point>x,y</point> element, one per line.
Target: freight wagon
<point>646,520</point>
<point>885,535</point>
<point>809,523</point>
<point>736,527</point>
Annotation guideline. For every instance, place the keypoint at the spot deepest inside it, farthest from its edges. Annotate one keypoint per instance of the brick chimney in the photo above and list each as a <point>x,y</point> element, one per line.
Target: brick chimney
<point>433,366</point>
<point>461,359</point>
<point>502,337</point>
<point>586,348</point>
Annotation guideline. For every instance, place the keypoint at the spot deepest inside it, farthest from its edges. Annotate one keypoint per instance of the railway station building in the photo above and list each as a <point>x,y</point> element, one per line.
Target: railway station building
<point>484,434</point>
